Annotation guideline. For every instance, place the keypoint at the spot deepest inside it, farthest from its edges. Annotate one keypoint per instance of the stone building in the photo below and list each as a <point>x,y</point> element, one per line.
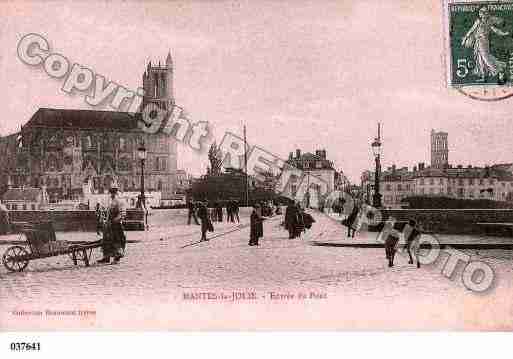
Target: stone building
<point>62,149</point>
<point>492,182</point>
<point>311,166</point>
<point>441,179</point>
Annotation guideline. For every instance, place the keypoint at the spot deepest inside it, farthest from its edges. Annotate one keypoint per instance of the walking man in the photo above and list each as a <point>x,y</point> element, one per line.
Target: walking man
<point>291,220</point>
<point>351,219</point>
<point>236,210</point>
<point>410,240</point>
<point>192,212</point>
<point>206,224</point>
<point>390,242</point>
<point>219,211</point>
<point>256,226</point>
<point>300,226</point>
<point>229,211</point>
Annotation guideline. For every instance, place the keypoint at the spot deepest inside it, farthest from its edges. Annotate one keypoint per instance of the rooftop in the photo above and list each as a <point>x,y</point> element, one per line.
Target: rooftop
<point>84,119</point>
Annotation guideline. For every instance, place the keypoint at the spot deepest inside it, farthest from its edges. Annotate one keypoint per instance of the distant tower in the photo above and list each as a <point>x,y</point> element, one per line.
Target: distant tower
<point>439,150</point>
<point>158,90</point>
<point>158,84</point>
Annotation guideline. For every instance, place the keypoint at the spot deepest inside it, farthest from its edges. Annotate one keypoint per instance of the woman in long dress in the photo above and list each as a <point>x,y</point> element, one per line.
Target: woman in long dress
<point>478,38</point>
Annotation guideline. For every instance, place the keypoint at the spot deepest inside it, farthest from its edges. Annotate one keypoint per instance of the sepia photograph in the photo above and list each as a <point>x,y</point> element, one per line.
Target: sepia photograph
<point>255,166</point>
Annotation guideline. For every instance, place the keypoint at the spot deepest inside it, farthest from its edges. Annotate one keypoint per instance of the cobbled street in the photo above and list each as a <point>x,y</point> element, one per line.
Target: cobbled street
<point>169,281</point>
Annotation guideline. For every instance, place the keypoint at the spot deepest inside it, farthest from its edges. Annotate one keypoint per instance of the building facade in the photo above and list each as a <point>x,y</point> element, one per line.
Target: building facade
<point>440,179</point>
<point>305,172</point>
<point>492,183</point>
<point>64,149</point>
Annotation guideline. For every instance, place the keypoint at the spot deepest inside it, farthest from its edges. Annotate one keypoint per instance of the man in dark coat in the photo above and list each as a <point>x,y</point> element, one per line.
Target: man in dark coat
<point>192,212</point>
<point>256,226</point>
<point>300,226</point>
<point>236,210</point>
<point>211,211</point>
<point>219,211</point>
<point>206,224</point>
<point>291,220</point>
<point>229,211</point>
<point>350,221</point>
<point>391,240</point>
<point>412,237</point>
<point>308,220</point>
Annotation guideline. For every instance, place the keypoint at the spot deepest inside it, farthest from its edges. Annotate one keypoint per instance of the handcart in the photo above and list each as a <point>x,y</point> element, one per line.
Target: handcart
<point>42,243</point>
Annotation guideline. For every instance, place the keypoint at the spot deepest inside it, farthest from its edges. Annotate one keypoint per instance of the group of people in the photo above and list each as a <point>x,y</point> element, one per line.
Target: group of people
<point>214,211</point>
<point>297,220</point>
<point>261,212</point>
<point>410,230</point>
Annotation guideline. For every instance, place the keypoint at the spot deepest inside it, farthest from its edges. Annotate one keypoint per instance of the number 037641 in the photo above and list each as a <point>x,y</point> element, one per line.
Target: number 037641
<point>24,346</point>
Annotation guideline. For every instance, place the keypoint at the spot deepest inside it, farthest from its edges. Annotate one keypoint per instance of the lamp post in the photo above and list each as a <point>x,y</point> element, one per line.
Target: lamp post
<point>376,150</point>
<point>141,152</point>
<point>307,204</point>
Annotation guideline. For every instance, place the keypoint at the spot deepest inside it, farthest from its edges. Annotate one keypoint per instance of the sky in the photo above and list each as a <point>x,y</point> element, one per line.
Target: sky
<point>300,74</point>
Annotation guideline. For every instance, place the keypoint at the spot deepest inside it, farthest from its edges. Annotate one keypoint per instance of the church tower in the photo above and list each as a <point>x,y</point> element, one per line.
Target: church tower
<point>158,84</point>
<point>439,150</point>
<point>158,90</point>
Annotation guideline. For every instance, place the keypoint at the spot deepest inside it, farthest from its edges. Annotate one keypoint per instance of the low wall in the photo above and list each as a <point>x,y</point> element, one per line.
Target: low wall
<point>454,221</point>
<point>67,221</point>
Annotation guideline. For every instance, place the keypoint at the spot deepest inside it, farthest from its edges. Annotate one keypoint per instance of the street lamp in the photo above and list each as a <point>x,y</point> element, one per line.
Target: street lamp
<point>141,153</point>
<point>376,150</point>
<point>307,204</point>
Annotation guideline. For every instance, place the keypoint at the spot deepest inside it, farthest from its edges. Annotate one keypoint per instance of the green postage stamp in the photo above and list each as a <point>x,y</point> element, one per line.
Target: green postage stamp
<point>480,44</point>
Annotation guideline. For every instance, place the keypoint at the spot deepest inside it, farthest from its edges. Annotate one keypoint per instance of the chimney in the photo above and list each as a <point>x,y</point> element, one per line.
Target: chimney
<point>421,166</point>
<point>414,168</point>
<point>318,153</point>
<point>291,155</point>
<point>460,166</point>
<point>324,154</point>
<point>298,153</point>
<point>393,168</point>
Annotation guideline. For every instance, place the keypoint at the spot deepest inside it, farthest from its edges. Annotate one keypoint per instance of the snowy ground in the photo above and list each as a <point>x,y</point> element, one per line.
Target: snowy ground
<point>169,281</point>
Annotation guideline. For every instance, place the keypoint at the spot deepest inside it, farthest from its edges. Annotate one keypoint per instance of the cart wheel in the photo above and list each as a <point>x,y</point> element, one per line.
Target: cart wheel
<point>15,259</point>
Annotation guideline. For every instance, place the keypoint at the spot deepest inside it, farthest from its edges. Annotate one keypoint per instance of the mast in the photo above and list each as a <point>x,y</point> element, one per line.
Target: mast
<point>246,166</point>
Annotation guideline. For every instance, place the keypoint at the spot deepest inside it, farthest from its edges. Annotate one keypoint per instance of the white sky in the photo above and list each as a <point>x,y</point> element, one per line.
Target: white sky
<point>307,74</point>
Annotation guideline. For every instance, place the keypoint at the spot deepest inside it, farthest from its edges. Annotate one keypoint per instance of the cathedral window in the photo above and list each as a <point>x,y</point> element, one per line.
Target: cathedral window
<point>155,90</point>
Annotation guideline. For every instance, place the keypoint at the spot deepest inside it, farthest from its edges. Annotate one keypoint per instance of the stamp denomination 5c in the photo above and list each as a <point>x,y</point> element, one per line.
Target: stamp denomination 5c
<point>480,43</point>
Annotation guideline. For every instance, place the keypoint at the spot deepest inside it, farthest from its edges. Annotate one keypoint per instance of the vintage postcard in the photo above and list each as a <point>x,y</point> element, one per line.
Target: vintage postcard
<point>256,165</point>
